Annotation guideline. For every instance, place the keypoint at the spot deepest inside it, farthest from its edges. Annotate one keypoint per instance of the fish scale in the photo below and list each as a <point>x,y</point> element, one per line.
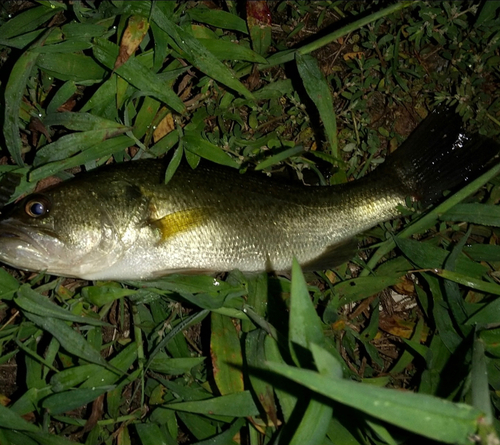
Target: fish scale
<point>122,222</point>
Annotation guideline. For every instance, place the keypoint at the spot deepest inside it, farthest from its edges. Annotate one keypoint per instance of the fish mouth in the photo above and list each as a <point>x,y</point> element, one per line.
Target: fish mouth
<point>22,248</point>
<point>9,230</point>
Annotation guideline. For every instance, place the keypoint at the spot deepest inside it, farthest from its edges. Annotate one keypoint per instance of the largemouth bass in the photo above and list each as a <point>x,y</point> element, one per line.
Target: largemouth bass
<point>122,222</point>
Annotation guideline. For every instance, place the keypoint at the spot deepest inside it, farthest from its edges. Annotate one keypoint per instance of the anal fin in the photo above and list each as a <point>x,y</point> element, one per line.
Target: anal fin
<point>333,256</point>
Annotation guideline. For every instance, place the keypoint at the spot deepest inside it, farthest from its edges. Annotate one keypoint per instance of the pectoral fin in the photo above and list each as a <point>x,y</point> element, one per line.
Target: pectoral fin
<point>177,222</point>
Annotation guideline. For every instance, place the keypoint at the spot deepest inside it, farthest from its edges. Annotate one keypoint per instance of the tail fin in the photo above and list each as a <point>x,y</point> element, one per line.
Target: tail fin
<point>439,156</point>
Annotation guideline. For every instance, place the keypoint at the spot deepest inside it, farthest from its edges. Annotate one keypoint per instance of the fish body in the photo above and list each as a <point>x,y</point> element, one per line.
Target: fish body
<point>122,222</point>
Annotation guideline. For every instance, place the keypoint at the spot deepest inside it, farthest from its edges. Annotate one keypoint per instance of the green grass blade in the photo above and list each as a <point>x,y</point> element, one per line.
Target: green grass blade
<point>224,50</point>
<point>240,404</point>
<point>152,434</point>
<point>101,150</point>
<point>8,285</point>
<point>476,213</point>
<point>479,381</point>
<point>350,291</point>
<point>184,324</point>
<point>14,91</point>
<point>28,402</point>
<point>226,437</point>
<point>45,438</point>
<point>62,95</point>
<point>304,325</point>
<point>287,400</point>
<point>487,12</point>
<point>422,414</point>
<point>313,424</point>
<point>28,20</point>
<point>317,89</point>
<point>218,18</point>
<point>15,437</point>
<point>10,420</point>
<point>490,313</point>
<point>137,75</point>
<point>33,302</point>
<point>69,400</point>
<point>69,66</point>
<point>198,146</point>
<point>81,121</point>
<point>199,56</point>
<point>174,366</point>
<point>426,255</point>
<point>120,365</point>
<point>483,286</point>
<point>225,351</point>
<point>70,144</point>
<point>70,340</point>
<point>101,295</point>
<point>71,377</point>
<point>255,355</point>
<point>279,157</point>
<point>483,252</point>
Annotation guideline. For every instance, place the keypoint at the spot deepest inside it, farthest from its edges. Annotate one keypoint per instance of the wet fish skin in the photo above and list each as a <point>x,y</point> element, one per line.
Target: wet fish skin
<point>114,223</point>
<point>122,222</point>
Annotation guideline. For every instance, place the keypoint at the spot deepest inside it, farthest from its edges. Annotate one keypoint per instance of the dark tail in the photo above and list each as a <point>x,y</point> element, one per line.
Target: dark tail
<point>439,155</point>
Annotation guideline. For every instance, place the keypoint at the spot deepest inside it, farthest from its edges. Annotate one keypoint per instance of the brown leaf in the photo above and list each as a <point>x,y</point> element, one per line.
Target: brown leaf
<point>405,287</point>
<point>258,13</point>
<point>350,56</point>
<point>95,415</point>
<point>166,125</point>
<point>133,35</point>
<point>401,328</point>
<point>47,182</point>
<point>36,127</point>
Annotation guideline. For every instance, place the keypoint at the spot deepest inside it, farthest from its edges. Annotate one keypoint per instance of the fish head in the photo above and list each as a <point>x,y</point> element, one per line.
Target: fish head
<point>70,230</point>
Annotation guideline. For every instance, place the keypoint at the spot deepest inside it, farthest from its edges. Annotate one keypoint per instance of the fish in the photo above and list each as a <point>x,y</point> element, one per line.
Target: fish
<point>123,222</point>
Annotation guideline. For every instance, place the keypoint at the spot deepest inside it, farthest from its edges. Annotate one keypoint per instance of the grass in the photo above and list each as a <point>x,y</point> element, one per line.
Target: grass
<point>323,91</point>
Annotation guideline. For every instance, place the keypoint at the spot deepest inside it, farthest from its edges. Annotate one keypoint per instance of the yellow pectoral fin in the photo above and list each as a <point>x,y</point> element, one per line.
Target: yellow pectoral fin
<point>180,221</point>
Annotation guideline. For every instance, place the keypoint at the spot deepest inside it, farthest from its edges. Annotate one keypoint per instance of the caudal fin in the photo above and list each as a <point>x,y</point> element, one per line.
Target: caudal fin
<point>439,155</point>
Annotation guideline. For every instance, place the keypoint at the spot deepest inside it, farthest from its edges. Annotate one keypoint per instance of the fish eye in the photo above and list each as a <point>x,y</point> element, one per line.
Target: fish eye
<point>37,207</point>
